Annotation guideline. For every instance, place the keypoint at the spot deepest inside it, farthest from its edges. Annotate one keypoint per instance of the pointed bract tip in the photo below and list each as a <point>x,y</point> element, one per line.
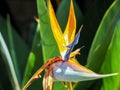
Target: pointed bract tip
<point>108,75</point>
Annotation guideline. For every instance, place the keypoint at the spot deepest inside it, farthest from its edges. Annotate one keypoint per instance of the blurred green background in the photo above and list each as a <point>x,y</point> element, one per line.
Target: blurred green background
<point>25,45</point>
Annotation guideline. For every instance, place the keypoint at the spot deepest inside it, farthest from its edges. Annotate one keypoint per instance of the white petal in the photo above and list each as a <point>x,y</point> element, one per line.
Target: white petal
<point>65,71</point>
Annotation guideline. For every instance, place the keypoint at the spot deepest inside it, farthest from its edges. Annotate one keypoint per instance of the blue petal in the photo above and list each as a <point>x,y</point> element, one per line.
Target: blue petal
<point>71,46</point>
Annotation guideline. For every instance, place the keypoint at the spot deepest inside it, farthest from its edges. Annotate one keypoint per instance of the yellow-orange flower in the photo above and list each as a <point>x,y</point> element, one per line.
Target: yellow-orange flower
<point>66,38</point>
<point>64,68</point>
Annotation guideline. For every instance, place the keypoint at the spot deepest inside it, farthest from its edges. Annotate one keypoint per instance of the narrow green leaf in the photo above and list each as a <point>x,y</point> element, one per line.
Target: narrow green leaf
<point>18,45</point>
<point>12,48</point>
<point>9,64</point>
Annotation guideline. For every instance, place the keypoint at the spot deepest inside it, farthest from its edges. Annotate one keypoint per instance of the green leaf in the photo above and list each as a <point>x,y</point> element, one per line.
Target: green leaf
<point>103,38</point>
<point>112,61</point>
<point>17,47</point>
<point>49,46</point>
<point>43,48</point>
<point>9,63</point>
<point>12,48</point>
<point>93,14</point>
<point>35,61</point>
<point>101,42</point>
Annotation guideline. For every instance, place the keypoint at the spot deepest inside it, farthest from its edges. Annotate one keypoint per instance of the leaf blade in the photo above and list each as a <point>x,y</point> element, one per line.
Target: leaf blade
<point>112,60</point>
<point>9,63</point>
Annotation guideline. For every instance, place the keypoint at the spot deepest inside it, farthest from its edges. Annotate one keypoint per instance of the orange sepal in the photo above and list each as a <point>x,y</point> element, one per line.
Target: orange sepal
<point>58,35</point>
<point>70,29</point>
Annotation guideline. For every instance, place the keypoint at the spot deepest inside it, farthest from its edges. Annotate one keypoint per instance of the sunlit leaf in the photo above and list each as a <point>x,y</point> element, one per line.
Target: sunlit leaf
<point>112,61</point>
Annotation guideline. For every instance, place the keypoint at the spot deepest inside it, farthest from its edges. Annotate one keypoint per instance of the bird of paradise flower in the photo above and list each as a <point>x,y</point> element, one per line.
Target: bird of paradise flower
<point>64,68</point>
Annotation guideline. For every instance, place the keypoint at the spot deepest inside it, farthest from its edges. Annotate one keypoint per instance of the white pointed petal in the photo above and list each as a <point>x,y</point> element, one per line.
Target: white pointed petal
<point>65,71</point>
